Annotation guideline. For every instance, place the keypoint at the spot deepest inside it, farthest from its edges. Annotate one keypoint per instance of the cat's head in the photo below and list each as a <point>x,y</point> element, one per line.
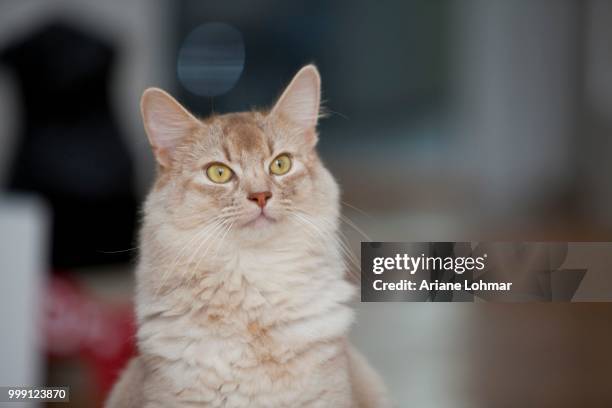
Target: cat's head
<point>257,171</point>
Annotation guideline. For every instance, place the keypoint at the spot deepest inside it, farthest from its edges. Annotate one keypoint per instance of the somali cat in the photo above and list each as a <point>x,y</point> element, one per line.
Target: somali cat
<point>241,292</point>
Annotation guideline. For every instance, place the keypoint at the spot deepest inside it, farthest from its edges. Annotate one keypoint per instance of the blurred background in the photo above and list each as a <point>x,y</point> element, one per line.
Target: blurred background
<point>448,120</point>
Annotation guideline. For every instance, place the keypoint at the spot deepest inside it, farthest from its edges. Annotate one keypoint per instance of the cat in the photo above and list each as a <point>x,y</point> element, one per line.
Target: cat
<point>241,296</point>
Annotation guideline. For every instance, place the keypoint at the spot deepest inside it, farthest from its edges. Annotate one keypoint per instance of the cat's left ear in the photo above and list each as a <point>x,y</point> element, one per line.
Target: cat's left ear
<point>301,100</point>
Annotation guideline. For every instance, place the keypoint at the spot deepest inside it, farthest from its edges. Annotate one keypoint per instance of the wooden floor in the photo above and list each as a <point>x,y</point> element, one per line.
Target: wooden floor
<point>542,355</point>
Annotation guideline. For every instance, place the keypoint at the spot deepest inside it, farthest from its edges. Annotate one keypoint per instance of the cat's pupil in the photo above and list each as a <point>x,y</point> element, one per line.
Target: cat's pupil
<point>220,171</point>
<point>278,163</point>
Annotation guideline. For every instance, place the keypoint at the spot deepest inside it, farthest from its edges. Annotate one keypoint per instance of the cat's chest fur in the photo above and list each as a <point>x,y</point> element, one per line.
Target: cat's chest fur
<point>262,330</point>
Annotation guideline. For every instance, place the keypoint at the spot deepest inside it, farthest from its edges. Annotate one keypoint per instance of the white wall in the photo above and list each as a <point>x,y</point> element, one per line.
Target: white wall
<point>23,245</point>
<point>516,95</point>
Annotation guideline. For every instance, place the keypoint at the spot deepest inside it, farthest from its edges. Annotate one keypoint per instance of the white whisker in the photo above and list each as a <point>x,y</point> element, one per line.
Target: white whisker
<point>200,236</point>
<point>354,207</point>
<point>346,251</point>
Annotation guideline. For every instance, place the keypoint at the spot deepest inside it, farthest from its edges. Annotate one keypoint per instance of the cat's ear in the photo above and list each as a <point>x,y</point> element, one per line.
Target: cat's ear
<point>300,102</point>
<point>166,122</point>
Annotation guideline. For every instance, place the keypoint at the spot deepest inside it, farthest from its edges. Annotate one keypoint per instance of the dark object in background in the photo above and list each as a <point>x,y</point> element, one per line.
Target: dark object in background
<point>70,149</point>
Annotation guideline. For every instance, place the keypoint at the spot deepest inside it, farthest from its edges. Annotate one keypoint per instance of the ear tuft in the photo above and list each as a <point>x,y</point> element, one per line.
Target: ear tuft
<point>166,122</point>
<point>300,102</point>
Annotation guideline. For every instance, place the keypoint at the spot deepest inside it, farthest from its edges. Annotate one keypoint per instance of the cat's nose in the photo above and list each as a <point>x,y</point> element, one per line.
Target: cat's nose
<point>260,198</point>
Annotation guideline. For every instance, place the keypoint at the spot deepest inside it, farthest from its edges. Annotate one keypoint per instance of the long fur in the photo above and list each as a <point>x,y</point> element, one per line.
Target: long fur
<point>240,313</point>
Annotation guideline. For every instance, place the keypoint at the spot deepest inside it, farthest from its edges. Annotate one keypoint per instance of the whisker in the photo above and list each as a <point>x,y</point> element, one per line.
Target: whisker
<point>201,236</point>
<point>340,238</point>
<point>201,257</point>
<point>218,247</point>
<point>342,241</point>
<point>197,216</point>
<point>354,207</point>
<point>344,248</point>
<point>225,212</point>
<point>197,236</point>
<point>212,235</point>
<point>342,115</point>
<point>351,224</point>
<point>165,250</point>
<point>118,251</point>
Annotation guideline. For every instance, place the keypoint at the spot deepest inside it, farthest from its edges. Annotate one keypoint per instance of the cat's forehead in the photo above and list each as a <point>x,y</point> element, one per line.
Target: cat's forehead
<point>242,134</point>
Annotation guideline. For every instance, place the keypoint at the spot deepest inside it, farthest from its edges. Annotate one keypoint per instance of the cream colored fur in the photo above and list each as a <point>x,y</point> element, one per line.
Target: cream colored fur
<point>231,314</point>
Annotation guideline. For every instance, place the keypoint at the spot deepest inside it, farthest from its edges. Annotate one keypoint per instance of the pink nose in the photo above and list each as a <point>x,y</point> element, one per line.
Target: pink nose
<point>260,198</point>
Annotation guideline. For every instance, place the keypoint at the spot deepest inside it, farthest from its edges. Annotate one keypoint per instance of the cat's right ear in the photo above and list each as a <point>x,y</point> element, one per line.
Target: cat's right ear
<point>166,122</point>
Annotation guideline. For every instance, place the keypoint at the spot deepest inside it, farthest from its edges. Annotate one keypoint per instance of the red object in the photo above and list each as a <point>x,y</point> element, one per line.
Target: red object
<point>78,325</point>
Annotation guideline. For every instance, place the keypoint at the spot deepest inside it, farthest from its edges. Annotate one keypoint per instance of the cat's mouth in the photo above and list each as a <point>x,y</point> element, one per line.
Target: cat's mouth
<point>260,220</point>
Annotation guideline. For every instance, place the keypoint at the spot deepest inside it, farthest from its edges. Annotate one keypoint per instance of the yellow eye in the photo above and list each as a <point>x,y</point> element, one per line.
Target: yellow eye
<point>280,165</point>
<point>219,173</point>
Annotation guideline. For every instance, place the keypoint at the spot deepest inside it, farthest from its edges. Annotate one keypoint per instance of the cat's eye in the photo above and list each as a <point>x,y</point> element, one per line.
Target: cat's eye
<point>219,173</point>
<point>280,165</point>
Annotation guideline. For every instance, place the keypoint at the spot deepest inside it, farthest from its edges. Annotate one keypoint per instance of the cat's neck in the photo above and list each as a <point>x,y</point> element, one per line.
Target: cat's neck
<point>284,273</point>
